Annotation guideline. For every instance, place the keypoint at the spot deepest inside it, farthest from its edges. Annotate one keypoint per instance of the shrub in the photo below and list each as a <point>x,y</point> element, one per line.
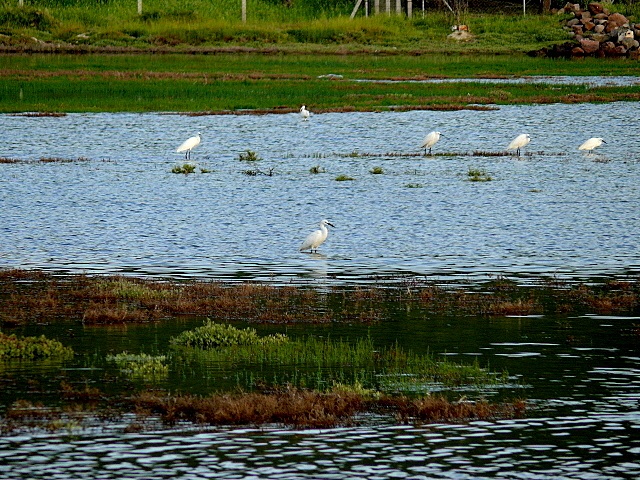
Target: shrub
<point>26,17</point>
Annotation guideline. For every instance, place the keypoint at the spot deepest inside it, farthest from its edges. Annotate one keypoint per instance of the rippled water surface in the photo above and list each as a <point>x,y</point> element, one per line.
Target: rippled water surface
<point>552,211</point>
<point>555,210</point>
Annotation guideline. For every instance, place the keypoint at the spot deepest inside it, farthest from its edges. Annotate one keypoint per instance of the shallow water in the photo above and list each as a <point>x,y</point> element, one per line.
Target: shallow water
<point>553,211</point>
<point>580,376</point>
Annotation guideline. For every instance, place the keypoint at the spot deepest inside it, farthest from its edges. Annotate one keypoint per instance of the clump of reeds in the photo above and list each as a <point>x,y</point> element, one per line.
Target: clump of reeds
<point>377,171</point>
<point>141,365</point>
<point>312,409</point>
<point>212,335</point>
<point>439,409</point>
<point>317,169</point>
<point>9,160</point>
<point>62,160</point>
<point>478,175</point>
<point>249,156</point>
<point>12,346</point>
<point>185,168</point>
<point>344,178</point>
<point>255,172</point>
<point>482,153</point>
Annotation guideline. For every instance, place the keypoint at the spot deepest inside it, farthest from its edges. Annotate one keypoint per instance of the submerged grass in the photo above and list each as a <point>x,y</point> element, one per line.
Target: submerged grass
<point>388,369</point>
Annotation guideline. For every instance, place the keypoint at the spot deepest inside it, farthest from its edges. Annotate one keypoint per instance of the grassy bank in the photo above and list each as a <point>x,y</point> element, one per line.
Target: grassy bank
<point>281,83</point>
<point>301,25</point>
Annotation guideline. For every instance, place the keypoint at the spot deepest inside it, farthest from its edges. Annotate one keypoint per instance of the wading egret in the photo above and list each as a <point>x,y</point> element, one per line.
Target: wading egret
<point>592,143</point>
<point>430,140</point>
<point>519,142</point>
<point>316,238</point>
<point>188,145</point>
<point>304,113</point>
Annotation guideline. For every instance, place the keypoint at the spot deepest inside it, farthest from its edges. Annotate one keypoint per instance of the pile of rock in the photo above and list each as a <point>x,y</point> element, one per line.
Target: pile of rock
<point>597,33</point>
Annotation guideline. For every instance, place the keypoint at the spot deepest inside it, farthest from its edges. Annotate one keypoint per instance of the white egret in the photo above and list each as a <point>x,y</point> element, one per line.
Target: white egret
<point>316,238</point>
<point>304,113</point>
<point>592,143</point>
<point>519,142</point>
<point>430,140</point>
<point>188,145</point>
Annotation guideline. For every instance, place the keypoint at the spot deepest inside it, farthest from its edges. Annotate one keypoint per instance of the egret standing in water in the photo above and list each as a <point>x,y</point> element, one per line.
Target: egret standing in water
<point>316,238</point>
<point>591,144</point>
<point>519,142</point>
<point>188,145</point>
<point>304,113</point>
<point>430,140</point>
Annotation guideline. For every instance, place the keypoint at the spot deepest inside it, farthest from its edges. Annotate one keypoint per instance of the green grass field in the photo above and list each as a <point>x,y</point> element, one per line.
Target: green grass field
<point>231,82</point>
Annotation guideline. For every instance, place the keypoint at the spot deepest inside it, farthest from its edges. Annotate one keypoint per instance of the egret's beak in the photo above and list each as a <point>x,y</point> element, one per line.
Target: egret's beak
<point>329,223</point>
<point>603,141</point>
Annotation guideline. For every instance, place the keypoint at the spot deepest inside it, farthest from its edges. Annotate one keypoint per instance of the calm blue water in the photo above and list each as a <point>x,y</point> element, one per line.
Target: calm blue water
<point>554,211</point>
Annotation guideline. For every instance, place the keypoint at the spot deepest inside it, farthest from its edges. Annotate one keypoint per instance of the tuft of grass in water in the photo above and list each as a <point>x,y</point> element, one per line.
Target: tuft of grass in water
<point>388,368</point>
<point>31,348</point>
<point>185,168</point>
<point>413,185</point>
<point>344,178</point>
<point>213,335</point>
<point>317,169</point>
<point>478,175</point>
<point>302,408</point>
<point>249,156</point>
<point>141,365</point>
<point>376,171</point>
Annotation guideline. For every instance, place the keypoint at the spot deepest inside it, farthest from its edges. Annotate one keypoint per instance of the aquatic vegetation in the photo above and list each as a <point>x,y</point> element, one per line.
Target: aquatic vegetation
<point>344,178</point>
<point>478,175</point>
<point>212,335</point>
<point>249,156</point>
<point>31,348</point>
<point>302,408</point>
<point>185,168</point>
<point>413,185</point>
<point>311,361</point>
<point>141,365</point>
<point>376,171</point>
<point>317,169</point>
<point>31,296</point>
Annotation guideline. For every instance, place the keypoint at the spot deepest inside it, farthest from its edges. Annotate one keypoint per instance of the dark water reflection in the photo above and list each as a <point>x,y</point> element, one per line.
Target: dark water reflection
<point>557,211</point>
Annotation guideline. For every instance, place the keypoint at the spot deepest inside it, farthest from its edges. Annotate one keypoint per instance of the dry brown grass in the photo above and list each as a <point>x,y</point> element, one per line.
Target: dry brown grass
<point>304,408</point>
<point>33,296</point>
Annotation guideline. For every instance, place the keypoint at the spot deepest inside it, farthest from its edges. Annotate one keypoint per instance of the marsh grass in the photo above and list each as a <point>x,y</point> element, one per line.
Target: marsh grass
<point>141,365</point>
<point>249,156</point>
<point>478,175</point>
<point>317,169</point>
<point>273,84</point>
<point>312,409</point>
<point>344,178</point>
<point>377,171</point>
<point>31,296</point>
<point>311,361</point>
<point>185,169</point>
<point>31,348</point>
